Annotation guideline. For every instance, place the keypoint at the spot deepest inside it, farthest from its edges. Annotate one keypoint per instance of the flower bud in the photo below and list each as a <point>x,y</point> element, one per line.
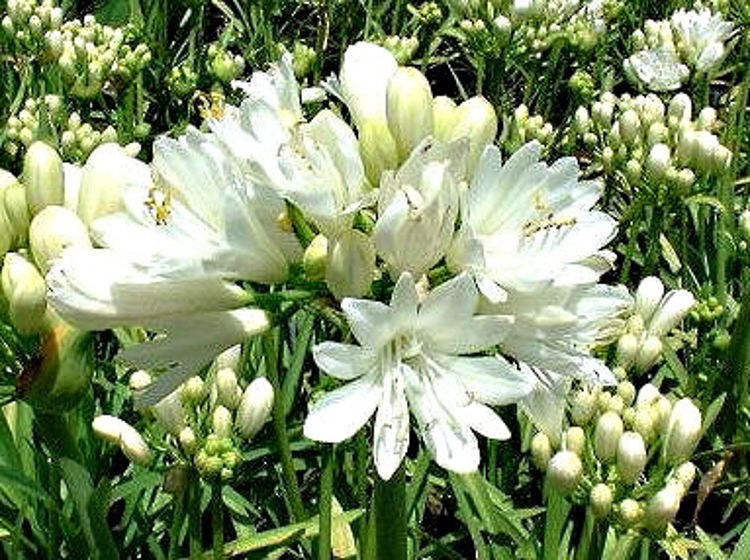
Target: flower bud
<point>564,471</point>
<point>409,109</point>
<point>43,177</point>
<point>101,189</point>
<point>626,390</point>
<point>647,395</point>
<point>188,440</point>
<point>631,457</point>
<point>351,264</point>
<point>662,508</point>
<point>255,407</point>
<point>609,428</point>
<point>662,410</point>
<point>221,421</point>
<point>581,120</point>
<point>541,450</point>
<point>600,500</point>
<point>645,423</point>
<point>193,391</point>
<point>627,349</point>
<point>114,430</point>
<point>721,158</point>
<point>707,118</point>
<point>316,258</point>
<point>139,380</point>
<point>680,108</point>
<point>631,512</point>
<point>227,388</point>
<point>649,353</point>
<point>575,440</point>
<point>25,290</point>
<point>52,230</point>
<point>378,149</point>
<point>685,475</point>
<point>583,407</point>
<point>630,126</point>
<point>229,358</point>
<point>17,211</point>
<point>476,120</point>
<point>633,171</point>
<point>170,414</point>
<point>444,117</point>
<point>683,433</point>
<point>659,160</point>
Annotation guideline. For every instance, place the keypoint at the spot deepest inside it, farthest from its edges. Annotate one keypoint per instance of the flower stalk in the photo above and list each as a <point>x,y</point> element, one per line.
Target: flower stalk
<point>390,512</point>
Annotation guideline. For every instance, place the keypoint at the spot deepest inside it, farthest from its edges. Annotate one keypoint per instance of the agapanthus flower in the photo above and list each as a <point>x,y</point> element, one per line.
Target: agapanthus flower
<point>700,37</point>
<point>658,69</point>
<point>525,225</point>
<point>411,359</point>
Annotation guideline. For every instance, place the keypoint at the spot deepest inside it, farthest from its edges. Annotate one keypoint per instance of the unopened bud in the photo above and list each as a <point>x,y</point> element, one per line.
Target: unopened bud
<point>139,379</point>
<point>631,512</point>
<point>188,440</point>
<point>316,258</point>
<point>707,118</point>
<point>564,471</point>
<point>193,391</point>
<point>476,120</point>
<point>25,290</point>
<point>685,475</point>
<point>649,353</point>
<point>255,407</point>
<point>350,268</point>
<point>627,349</point>
<point>115,430</point>
<point>43,177</point>
<point>680,108</point>
<point>170,414</point>
<point>409,109</point>
<point>583,407</point>
<point>52,230</point>
<point>647,395</point>
<point>221,421</point>
<point>378,149</point>
<point>630,126</point>
<point>227,388</point>
<point>444,117</point>
<point>541,450</point>
<point>662,508</point>
<point>683,433</point>
<point>626,390</point>
<point>609,428</point>
<point>600,500</point>
<point>575,440</point>
<point>631,457</point>
<point>659,161</point>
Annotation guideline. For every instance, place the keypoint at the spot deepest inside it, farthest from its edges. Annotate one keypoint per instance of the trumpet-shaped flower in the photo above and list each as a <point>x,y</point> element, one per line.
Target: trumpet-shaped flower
<point>410,359</point>
<point>700,37</point>
<point>525,225</point>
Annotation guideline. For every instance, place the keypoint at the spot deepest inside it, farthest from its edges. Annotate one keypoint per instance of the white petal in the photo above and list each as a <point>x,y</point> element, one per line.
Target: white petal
<point>490,380</point>
<point>344,361</point>
<point>483,419</point>
<point>364,78</point>
<point>648,296</point>
<point>673,308</point>
<point>341,413</point>
<point>391,435</point>
<point>371,322</point>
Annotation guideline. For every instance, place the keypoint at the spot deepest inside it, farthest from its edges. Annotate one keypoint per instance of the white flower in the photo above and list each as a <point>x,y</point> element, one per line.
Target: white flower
<point>525,225</point>
<point>700,37</point>
<point>409,358</point>
<point>418,207</point>
<point>658,69</point>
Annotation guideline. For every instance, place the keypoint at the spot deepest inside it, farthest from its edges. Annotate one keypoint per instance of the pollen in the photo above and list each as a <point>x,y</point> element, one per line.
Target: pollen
<point>159,204</point>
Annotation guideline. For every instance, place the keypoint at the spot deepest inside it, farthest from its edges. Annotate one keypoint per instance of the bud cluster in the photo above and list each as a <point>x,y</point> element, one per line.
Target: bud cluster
<point>30,27</point>
<point>654,315</point>
<point>603,459</point>
<point>402,48</point>
<point>182,80</point>
<point>639,137</point>
<point>304,59</point>
<point>93,56</point>
<point>211,420</point>
<point>521,127</point>
<point>224,65</point>
<point>541,23</point>
<point>666,50</point>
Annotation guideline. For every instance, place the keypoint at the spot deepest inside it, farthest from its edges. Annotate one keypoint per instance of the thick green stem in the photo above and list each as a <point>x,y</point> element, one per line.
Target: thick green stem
<point>194,517</point>
<point>326,499</point>
<point>271,351</point>
<point>217,521</point>
<point>178,519</point>
<point>390,511</point>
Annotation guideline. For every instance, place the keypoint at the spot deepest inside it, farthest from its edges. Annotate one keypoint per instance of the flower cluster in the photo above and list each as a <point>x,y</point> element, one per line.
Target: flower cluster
<point>31,27</point>
<point>480,259</point>
<point>223,65</point>
<point>667,50</point>
<point>603,460</point>
<point>639,137</point>
<point>521,127</point>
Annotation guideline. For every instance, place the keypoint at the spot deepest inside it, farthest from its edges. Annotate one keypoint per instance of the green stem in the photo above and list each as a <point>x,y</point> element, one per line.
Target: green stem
<point>738,364</point>
<point>326,499</point>
<point>271,351</point>
<point>217,521</point>
<point>178,518</point>
<point>390,511</point>
<point>194,517</point>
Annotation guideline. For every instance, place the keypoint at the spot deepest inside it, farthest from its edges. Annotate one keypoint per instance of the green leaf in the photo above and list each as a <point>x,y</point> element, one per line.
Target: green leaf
<point>20,482</point>
<point>742,550</point>
<point>709,545</point>
<point>712,412</point>
<point>698,199</point>
<point>294,371</point>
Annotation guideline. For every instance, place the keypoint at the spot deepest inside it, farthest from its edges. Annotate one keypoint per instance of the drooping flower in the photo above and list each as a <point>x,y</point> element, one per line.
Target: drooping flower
<point>525,225</point>
<point>410,359</point>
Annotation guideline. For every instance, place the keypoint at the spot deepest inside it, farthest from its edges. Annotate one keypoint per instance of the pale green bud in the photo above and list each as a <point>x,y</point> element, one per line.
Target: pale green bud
<point>631,512</point>
<point>443,117</point>
<point>627,348</point>
<point>685,475</point>
<point>630,126</point>
<point>608,158</point>
<point>657,133</point>
<point>649,353</point>
<point>680,108</point>
<point>43,177</point>
<point>25,290</point>
<point>409,109</point>
<point>685,178</point>
<point>647,395</point>
<point>193,391</point>
<point>117,431</point>
<point>17,212</point>
<point>54,229</point>
<point>581,120</point>
<point>721,158</point>
<point>609,428</point>
<point>564,471</point>
<point>188,440</point>
<point>575,440</point>
<point>541,450</point>
<point>647,297</point>
<point>633,171</point>
<point>378,149</point>
<point>659,161</point>
<point>600,500</point>
<point>662,508</point>
<point>584,405</point>
<point>645,423</point>
<point>662,409</point>
<point>315,258</point>
<point>351,264</point>
<point>476,120</point>
<point>616,404</point>
<point>221,421</point>
<point>707,118</point>
<point>631,457</point>
<point>255,407</point>
<point>683,433</point>
<point>626,390</point>
<point>228,390</point>
<point>139,380</point>
<point>170,414</point>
